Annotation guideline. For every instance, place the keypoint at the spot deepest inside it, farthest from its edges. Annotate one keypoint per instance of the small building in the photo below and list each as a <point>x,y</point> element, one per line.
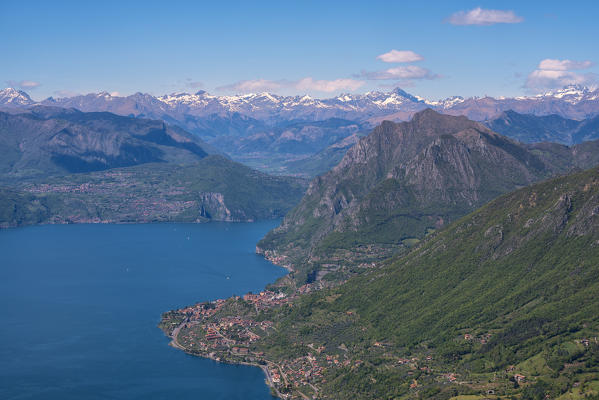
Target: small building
<point>519,378</point>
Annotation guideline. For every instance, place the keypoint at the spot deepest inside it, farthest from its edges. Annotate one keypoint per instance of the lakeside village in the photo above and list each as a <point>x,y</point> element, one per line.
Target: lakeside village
<point>110,200</point>
<point>227,330</point>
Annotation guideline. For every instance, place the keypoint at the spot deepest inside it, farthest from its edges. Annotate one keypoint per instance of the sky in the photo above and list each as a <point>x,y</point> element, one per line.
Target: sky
<point>433,49</point>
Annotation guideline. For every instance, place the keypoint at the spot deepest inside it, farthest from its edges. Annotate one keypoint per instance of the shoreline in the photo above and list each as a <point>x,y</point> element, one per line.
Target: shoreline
<point>107,222</point>
<point>276,261</point>
<point>264,367</point>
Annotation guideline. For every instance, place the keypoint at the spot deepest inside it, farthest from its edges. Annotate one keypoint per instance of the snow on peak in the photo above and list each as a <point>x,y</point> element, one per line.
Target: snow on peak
<point>571,93</point>
<point>445,103</point>
<point>14,97</point>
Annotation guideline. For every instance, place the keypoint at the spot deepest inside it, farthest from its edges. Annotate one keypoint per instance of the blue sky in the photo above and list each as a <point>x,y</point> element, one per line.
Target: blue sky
<point>54,48</point>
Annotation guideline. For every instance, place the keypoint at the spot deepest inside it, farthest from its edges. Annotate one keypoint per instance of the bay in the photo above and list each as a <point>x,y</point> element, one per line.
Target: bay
<point>80,305</point>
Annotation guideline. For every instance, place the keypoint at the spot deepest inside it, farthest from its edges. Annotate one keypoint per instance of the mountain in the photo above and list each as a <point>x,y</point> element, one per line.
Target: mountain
<point>212,189</point>
<point>252,128</point>
<point>67,166</point>
<point>528,128</point>
<point>10,97</point>
<point>261,106</point>
<point>574,102</point>
<point>587,130</point>
<point>46,140</point>
<point>324,160</point>
<point>287,148</point>
<point>500,304</point>
<point>403,181</point>
<point>294,137</point>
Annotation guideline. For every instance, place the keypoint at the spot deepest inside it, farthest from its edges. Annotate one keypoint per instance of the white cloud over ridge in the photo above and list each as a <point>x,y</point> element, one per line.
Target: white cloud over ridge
<point>555,74</point>
<point>400,56</point>
<point>25,84</point>
<point>481,16</point>
<point>400,72</point>
<point>328,86</point>
<point>563,65</point>
<point>253,85</point>
<point>304,84</point>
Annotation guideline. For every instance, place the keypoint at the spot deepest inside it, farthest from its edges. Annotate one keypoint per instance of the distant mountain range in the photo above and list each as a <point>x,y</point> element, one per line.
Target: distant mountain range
<point>574,102</point>
<point>66,166</point>
<point>285,134</point>
<point>404,180</point>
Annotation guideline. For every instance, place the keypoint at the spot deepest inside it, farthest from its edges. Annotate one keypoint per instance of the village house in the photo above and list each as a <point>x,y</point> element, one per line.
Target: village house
<point>519,378</point>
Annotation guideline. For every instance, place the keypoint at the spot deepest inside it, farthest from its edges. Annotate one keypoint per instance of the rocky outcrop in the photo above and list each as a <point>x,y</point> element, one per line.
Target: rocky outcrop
<point>212,206</point>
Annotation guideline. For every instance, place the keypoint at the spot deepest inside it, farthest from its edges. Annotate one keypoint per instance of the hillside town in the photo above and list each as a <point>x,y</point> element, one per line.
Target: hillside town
<point>226,330</point>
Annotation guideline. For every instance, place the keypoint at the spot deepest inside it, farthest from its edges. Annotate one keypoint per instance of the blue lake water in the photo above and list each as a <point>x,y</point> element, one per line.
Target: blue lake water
<point>80,304</point>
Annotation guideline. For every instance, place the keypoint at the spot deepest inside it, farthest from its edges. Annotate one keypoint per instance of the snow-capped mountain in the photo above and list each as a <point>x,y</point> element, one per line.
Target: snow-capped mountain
<point>574,102</point>
<point>185,108</point>
<point>572,94</point>
<point>261,127</point>
<point>10,97</point>
<point>266,107</point>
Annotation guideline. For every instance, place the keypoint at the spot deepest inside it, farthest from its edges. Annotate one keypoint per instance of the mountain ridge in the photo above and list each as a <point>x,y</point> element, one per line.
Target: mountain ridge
<point>404,180</point>
<point>528,128</point>
<point>46,140</point>
<point>499,304</point>
<point>571,102</point>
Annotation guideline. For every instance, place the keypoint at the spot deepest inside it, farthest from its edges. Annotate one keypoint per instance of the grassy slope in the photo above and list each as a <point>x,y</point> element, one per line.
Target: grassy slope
<point>524,269</point>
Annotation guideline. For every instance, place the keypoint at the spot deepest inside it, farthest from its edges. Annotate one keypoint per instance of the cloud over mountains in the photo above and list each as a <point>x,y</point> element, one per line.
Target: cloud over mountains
<point>481,16</point>
<point>304,84</point>
<point>400,56</point>
<point>554,73</point>
<point>24,84</point>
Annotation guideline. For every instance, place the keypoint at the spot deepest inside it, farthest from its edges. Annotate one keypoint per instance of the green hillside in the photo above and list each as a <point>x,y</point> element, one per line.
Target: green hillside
<point>503,303</point>
<point>521,276</point>
<point>403,181</point>
<point>215,188</point>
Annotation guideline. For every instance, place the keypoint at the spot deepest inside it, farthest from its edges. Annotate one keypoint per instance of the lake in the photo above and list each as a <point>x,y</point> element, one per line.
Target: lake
<point>80,305</point>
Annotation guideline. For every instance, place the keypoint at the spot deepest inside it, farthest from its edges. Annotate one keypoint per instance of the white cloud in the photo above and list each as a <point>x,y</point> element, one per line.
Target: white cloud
<point>305,84</point>
<point>401,72</point>
<point>115,94</point>
<point>555,74</point>
<point>328,86</point>
<point>25,84</point>
<point>481,16</point>
<point>563,65</point>
<point>400,56</point>
<point>249,86</point>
